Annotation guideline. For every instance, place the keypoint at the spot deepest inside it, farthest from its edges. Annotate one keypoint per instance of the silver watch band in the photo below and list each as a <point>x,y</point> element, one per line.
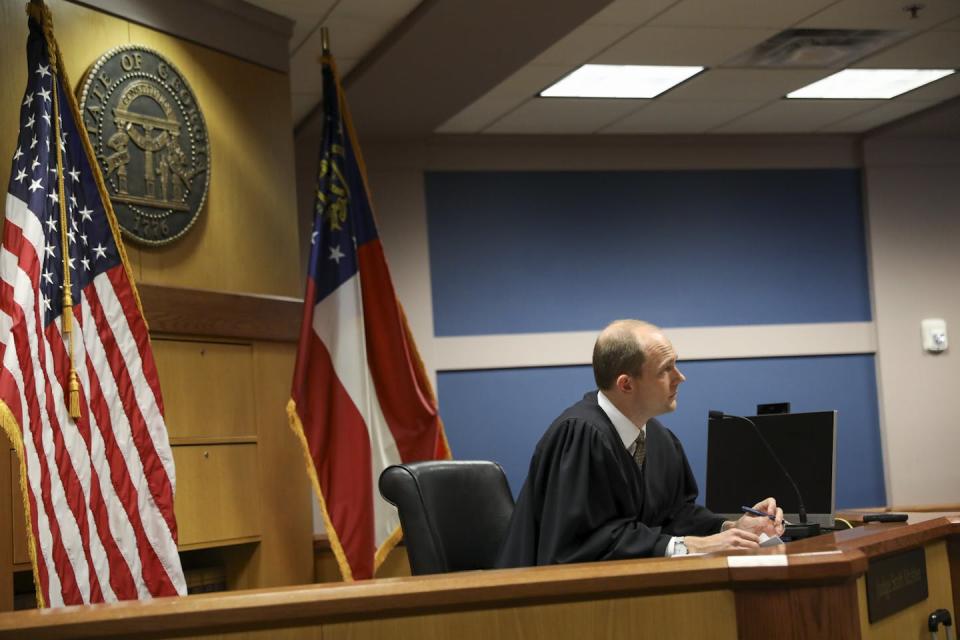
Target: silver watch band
<point>680,547</point>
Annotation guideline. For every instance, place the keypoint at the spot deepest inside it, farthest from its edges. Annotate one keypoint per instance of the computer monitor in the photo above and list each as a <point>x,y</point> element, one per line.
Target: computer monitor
<point>740,470</point>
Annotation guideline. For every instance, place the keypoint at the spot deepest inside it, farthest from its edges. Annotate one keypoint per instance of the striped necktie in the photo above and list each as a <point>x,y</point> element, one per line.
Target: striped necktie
<point>640,448</point>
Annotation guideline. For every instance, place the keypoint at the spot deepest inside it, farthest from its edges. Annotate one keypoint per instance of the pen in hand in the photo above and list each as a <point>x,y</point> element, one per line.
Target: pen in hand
<point>763,514</point>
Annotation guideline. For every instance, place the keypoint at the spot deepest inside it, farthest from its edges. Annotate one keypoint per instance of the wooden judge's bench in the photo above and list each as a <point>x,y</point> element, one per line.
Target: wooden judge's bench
<point>815,588</point>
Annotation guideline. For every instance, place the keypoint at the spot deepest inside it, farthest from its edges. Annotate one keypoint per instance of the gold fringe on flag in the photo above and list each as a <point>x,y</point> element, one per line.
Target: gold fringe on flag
<point>335,543</point>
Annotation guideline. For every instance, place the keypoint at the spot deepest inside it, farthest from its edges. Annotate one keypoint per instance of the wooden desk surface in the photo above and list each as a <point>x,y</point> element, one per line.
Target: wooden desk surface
<point>832,559</point>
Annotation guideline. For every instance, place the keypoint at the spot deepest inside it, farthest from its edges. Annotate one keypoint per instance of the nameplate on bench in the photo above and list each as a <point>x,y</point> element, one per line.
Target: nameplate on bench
<point>895,582</point>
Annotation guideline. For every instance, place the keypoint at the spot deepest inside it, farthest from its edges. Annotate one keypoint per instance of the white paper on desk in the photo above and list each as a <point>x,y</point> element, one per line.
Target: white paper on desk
<point>772,560</point>
<point>767,541</point>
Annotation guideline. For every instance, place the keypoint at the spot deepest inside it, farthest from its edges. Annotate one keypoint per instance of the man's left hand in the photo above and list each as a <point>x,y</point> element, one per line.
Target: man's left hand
<point>761,524</point>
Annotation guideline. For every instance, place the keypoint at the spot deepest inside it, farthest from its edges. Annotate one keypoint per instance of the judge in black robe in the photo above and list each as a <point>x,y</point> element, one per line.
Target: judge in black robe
<point>586,499</point>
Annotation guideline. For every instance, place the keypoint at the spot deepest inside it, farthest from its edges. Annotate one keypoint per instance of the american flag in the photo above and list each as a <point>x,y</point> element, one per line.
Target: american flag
<point>98,489</point>
<point>361,400</point>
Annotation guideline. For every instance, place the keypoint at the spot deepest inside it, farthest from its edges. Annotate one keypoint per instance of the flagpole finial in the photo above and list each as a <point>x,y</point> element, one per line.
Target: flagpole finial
<point>325,40</point>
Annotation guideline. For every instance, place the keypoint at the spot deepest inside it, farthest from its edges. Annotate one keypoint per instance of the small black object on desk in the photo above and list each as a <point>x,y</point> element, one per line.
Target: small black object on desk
<point>884,517</point>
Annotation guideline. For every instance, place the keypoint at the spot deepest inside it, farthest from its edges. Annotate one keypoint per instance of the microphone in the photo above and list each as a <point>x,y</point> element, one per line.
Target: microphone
<point>796,531</point>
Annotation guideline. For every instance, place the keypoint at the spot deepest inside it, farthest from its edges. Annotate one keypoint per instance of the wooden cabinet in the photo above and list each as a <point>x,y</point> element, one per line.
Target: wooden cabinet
<point>217,497</point>
<point>209,396</point>
<point>207,389</point>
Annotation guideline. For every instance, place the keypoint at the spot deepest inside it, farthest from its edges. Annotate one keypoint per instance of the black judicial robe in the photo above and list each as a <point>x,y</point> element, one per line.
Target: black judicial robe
<point>586,499</point>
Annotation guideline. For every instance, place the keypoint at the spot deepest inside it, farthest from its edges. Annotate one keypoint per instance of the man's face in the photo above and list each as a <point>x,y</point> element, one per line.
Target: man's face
<point>656,386</point>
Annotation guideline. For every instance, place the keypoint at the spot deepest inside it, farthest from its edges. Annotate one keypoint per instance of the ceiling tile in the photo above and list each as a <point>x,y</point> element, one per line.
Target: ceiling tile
<point>743,84</point>
<point>307,15</point>
<point>882,14</point>
<point>478,115</point>
<point>630,12</point>
<point>530,80</point>
<point>942,89</point>
<point>894,110</point>
<point>673,32</point>
<point>349,40</point>
<point>930,50</point>
<point>563,115</point>
<point>375,10</point>
<point>680,117</point>
<point>777,14</point>
<point>522,85</point>
<point>581,44</point>
<point>293,8</point>
<point>796,116</point>
<point>305,26</point>
<point>349,37</point>
<point>682,46</point>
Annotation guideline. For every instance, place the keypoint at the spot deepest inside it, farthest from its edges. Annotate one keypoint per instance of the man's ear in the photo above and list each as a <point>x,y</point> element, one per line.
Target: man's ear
<point>624,383</point>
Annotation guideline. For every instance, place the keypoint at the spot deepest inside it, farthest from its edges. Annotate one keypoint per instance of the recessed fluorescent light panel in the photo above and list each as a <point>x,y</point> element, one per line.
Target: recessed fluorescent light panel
<point>619,81</point>
<point>877,84</point>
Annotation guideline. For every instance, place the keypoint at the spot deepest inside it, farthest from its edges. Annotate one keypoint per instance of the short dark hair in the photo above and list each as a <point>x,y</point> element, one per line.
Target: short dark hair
<point>618,350</point>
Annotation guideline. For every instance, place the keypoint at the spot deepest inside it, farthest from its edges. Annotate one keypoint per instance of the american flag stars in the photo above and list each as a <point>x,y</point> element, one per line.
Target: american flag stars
<point>35,170</point>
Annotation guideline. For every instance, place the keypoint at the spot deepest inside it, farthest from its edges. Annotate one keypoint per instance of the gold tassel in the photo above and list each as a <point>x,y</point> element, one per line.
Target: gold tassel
<point>74,393</point>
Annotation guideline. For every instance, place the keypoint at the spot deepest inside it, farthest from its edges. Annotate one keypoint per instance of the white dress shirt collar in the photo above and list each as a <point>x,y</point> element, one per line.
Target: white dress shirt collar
<point>627,430</point>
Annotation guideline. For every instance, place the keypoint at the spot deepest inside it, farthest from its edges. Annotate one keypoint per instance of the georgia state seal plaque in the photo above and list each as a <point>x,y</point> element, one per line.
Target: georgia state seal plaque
<point>151,141</point>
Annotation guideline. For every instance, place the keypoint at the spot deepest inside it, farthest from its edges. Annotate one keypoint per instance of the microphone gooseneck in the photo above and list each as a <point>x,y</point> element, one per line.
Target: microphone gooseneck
<point>720,415</point>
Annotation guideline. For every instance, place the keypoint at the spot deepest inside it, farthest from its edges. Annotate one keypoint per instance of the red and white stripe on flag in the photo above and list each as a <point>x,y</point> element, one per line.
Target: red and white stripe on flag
<point>97,489</point>
<point>361,400</point>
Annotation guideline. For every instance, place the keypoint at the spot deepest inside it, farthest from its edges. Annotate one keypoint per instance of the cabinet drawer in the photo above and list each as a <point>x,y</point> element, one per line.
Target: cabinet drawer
<point>20,553</point>
<point>218,495</point>
<point>207,388</point>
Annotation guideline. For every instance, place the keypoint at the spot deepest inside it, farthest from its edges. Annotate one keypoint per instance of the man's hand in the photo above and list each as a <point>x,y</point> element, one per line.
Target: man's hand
<point>729,539</point>
<point>760,524</point>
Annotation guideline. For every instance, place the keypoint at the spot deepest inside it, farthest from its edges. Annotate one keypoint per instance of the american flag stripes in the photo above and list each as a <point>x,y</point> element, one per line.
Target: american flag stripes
<point>98,489</point>
<point>360,400</point>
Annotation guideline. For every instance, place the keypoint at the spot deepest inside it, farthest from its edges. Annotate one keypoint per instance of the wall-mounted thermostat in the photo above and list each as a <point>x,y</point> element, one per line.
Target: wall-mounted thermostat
<point>934,334</point>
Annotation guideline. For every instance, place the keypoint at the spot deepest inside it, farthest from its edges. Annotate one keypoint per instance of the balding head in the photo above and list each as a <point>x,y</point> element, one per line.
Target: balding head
<point>620,348</point>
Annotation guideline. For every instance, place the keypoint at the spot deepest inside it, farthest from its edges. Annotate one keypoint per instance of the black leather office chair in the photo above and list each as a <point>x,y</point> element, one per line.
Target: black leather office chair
<point>454,513</point>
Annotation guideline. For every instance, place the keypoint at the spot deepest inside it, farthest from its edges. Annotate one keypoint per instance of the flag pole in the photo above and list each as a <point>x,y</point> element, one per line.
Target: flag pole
<point>41,14</point>
<point>324,40</point>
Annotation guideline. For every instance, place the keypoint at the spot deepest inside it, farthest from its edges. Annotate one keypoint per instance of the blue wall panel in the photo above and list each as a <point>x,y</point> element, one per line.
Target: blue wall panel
<point>514,252</point>
<point>501,414</point>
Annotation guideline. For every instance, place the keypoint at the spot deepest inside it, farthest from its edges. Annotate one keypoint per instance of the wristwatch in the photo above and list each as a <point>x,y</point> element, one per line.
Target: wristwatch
<point>680,547</point>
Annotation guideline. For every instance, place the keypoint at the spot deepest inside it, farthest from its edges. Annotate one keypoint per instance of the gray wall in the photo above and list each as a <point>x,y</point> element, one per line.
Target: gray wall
<point>912,175</point>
